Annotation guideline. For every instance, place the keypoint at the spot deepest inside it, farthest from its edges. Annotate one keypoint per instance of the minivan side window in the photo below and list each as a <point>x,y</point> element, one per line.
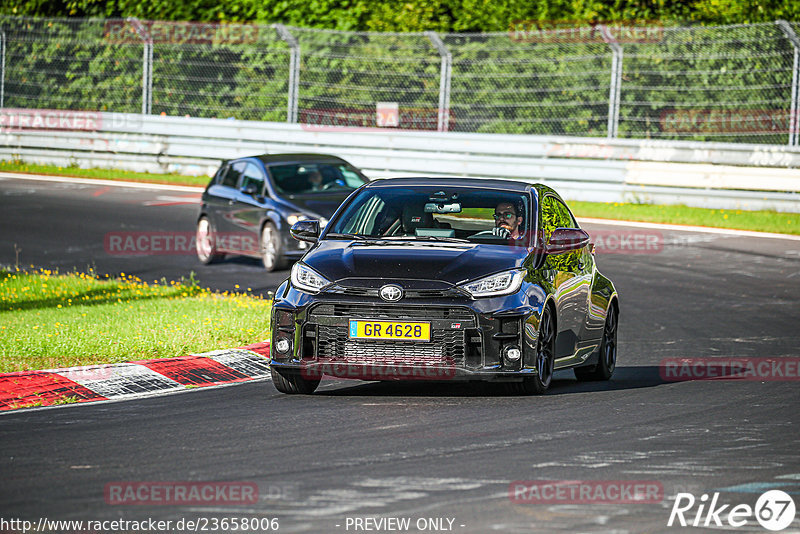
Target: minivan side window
<point>252,175</point>
<point>231,177</point>
<point>220,176</point>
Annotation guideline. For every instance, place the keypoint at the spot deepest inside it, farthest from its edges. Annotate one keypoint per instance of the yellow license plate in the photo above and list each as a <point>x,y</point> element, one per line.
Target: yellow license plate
<point>390,330</point>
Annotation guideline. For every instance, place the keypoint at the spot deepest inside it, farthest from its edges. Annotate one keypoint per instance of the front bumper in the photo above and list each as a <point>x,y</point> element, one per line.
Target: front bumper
<point>470,339</point>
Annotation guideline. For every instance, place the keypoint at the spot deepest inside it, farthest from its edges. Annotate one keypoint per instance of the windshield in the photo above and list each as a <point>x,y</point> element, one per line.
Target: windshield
<point>302,178</point>
<point>458,214</point>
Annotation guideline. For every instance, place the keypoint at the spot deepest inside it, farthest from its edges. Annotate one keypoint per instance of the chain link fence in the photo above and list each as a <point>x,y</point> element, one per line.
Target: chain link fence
<point>725,83</point>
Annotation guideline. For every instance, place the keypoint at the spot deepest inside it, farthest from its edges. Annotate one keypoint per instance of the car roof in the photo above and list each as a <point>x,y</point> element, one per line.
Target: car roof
<point>271,159</point>
<point>490,183</point>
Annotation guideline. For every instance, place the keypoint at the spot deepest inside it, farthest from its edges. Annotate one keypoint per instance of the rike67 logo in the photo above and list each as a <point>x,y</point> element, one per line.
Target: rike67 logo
<point>774,510</point>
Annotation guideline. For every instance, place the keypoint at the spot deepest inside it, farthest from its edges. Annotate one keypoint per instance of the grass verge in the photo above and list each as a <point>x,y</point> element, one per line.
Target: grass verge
<point>50,320</point>
<point>757,221</point>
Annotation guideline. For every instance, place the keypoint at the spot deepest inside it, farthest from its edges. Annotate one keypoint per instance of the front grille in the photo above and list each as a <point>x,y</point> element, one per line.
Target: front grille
<point>408,293</point>
<point>388,311</point>
<point>328,324</point>
<point>445,347</point>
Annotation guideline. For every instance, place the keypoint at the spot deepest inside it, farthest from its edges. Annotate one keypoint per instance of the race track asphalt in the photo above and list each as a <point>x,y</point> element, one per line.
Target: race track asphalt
<point>417,451</point>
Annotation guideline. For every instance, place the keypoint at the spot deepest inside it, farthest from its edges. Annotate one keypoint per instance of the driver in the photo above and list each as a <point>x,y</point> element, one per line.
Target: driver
<point>508,222</point>
<point>315,180</point>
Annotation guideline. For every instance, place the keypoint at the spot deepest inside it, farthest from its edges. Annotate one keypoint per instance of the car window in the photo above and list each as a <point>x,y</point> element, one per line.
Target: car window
<point>252,176</point>
<point>422,213</point>
<point>220,175</point>
<point>303,178</point>
<point>231,177</point>
<point>555,215</point>
<point>365,217</point>
<point>351,177</point>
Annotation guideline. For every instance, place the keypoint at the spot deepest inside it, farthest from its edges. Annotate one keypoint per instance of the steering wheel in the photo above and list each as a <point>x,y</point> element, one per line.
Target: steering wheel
<point>335,183</point>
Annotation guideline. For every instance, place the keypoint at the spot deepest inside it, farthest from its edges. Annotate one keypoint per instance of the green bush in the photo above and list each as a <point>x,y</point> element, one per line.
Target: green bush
<point>697,82</point>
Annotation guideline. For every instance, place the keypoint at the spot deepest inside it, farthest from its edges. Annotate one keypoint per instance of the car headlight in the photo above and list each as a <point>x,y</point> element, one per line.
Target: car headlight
<point>294,217</point>
<point>495,285</point>
<point>307,279</point>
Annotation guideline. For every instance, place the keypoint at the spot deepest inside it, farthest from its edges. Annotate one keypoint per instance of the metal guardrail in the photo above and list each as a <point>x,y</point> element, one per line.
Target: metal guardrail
<point>717,175</point>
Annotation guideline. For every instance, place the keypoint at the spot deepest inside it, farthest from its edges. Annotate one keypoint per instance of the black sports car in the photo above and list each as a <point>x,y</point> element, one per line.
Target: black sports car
<point>430,278</point>
<point>250,204</point>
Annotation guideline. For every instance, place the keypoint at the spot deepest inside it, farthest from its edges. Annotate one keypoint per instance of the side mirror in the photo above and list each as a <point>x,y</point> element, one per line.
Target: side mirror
<point>251,189</point>
<point>307,230</point>
<point>566,240</point>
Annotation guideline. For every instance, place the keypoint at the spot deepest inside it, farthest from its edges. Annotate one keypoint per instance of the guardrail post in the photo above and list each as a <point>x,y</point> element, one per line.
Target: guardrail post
<point>444,81</point>
<point>616,81</point>
<point>147,64</point>
<point>2,68</point>
<point>794,123</point>
<point>294,71</point>
<point>149,77</point>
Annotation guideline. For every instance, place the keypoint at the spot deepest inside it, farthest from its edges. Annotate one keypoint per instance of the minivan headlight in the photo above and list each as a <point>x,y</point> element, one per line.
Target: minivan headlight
<point>307,279</point>
<point>294,217</point>
<point>495,285</point>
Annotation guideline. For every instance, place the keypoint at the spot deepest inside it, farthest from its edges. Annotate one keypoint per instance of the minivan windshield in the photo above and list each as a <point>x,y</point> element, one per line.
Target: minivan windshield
<point>451,213</point>
<point>307,178</point>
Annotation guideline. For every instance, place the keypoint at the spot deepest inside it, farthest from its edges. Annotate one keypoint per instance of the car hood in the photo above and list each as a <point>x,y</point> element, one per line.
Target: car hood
<point>318,204</point>
<point>449,262</point>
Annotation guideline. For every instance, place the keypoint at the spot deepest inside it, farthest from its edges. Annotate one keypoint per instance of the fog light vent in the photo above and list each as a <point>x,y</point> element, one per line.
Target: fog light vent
<point>282,346</point>
<point>512,353</point>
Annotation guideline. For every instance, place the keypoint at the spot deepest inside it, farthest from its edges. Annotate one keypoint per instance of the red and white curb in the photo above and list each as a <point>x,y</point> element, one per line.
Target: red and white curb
<point>27,389</point>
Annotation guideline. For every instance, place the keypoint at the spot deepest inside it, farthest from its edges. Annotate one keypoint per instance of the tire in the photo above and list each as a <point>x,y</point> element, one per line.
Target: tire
<point>607,352</point>
<point>204,243</point>
<point>290,381</point>
<point>545,359</point>
<point>271,248</point>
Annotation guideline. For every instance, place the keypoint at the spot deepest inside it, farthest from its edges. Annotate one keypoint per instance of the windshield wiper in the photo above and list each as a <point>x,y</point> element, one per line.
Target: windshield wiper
<point>438,238</point>
<point>349,236</point>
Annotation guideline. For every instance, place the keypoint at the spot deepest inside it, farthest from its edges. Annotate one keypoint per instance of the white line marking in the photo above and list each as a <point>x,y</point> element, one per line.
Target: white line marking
<point>119,380</point>
<point>683,228</point>
<point>99,182</point>
<point>129,380</point>
<point>137,396</point>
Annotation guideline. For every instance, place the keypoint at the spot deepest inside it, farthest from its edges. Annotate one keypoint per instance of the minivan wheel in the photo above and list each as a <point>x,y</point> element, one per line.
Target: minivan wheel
<point>205,243</point>
<point>271,249</point>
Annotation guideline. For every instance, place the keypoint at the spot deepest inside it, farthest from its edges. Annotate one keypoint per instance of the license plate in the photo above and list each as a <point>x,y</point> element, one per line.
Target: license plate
<point>390,330</point>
